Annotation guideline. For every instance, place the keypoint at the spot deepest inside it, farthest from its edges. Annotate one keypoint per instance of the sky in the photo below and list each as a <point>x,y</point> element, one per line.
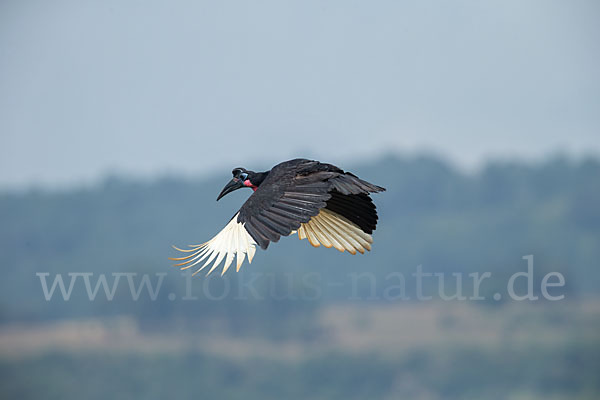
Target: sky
<point>145,88</point>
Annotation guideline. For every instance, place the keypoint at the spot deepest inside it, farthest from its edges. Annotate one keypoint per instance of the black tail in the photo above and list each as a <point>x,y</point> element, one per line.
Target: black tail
<point>358,208</point>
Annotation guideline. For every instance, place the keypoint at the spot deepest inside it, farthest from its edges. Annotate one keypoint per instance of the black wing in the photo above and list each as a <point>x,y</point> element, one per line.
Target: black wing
<point>296,190</point>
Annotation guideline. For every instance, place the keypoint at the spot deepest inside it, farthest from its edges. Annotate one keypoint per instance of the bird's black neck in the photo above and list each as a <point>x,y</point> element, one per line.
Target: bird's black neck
<point>259,177</point>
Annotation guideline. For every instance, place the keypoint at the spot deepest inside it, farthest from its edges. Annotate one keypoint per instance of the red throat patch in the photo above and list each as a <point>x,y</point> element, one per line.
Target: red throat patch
<point>250,185</point>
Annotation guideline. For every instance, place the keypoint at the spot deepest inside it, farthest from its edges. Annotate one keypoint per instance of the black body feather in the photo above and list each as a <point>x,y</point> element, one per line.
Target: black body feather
<point>294,191</point>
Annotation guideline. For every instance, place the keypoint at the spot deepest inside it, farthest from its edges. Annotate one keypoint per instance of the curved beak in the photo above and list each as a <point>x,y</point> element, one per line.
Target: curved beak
<point>233,184</point>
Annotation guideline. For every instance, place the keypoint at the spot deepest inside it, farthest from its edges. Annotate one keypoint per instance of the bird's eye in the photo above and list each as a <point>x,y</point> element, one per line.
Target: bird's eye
<point>243,176</point>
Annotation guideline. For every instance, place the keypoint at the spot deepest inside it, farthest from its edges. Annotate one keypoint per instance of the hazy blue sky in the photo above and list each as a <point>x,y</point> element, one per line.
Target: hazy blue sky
<point>148,87</point>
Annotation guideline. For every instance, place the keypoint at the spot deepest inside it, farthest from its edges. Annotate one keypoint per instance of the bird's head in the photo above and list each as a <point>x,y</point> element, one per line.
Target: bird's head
<point>242,178</point>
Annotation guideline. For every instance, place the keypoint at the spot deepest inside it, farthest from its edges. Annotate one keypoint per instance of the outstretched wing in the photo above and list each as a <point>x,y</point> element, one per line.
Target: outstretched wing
<point>287,198</point>
<point>319,201</point>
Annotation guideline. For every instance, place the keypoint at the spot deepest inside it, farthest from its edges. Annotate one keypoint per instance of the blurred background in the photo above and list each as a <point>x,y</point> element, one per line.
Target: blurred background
<point>120,122</point>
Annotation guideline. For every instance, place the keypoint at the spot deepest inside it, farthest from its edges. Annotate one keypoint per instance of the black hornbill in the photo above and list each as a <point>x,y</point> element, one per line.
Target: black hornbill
<point>319,201</point>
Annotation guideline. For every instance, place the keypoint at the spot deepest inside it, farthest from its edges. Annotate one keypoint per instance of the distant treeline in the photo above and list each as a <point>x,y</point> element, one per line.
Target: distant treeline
<point>432,215</point>
<point>462,373</point>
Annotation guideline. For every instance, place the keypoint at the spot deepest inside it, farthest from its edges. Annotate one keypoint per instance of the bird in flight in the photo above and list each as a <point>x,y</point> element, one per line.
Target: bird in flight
<point>318,201</point>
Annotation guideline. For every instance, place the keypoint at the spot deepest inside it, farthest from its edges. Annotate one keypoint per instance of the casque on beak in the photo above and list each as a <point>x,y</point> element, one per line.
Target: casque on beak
<point>233,184</point>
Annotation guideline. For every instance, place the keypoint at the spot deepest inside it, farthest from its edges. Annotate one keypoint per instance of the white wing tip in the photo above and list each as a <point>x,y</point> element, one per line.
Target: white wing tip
<point>231,242</point>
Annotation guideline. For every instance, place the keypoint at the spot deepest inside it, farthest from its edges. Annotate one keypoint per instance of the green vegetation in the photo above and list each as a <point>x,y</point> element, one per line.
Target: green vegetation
<point>452,374</point>
<point>431,215</point>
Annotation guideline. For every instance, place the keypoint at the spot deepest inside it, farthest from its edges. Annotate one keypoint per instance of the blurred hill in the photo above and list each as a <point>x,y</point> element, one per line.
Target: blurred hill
<point>301,322</point>
<point>431,215</point>
<point>422,352</point>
